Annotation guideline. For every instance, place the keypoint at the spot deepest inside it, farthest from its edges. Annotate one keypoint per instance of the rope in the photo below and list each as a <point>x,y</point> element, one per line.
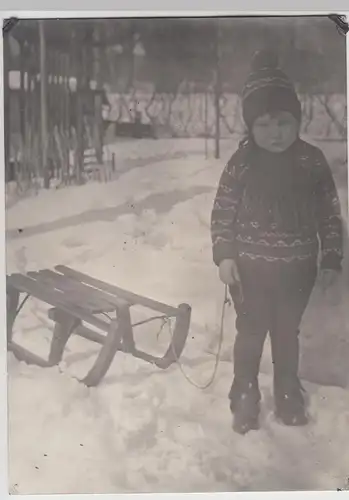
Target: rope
<point>153,318</point>
<point>148,320</point>
<point>217,356</point>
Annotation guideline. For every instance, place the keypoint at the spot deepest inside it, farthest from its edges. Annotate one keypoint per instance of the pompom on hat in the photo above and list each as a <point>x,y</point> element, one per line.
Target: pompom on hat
<point>268,89</point>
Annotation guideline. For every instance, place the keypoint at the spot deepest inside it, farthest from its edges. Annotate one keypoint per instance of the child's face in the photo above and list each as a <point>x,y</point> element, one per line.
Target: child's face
<point>275,132</point>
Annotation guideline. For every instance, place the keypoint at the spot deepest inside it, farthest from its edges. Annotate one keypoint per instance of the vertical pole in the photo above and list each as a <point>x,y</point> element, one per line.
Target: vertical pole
<point>206,127</point>
<point>34,166</point>
<point>217,93</point>
<point>79,133</point>
<point>43,103</point>
<point>50,110</point>
<point>66,94</point>
<point>113,162</point>
<point>7,112</point>
<point>22,98</point>
<point>25,174</point>
<point>53,117</point>
<point>62,85</point>
<point>67,124</point>
<point>35,110</point>
<point>78,65</point>
<point>98,125</point>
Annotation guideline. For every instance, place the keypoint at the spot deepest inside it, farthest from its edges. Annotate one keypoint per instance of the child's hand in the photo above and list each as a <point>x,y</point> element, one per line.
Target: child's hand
<point>228,272</point>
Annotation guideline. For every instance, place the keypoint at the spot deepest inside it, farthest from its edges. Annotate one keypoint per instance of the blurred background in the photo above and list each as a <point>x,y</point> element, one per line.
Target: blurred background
<point>73,86</point>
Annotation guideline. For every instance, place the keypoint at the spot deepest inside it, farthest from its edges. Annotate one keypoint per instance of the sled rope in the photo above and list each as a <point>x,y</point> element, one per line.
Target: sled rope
<point>217,356</point>
<point>163,317</point>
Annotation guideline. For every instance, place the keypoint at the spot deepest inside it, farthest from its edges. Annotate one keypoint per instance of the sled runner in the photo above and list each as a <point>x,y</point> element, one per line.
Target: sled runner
<point>79,302</point>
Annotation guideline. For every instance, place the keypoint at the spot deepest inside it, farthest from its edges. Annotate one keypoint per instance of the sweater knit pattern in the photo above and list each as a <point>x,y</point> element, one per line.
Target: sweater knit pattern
<point>277,207</point>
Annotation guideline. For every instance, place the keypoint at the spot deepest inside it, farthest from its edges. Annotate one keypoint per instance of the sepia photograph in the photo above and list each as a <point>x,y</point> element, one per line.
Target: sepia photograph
<point>177,260</point>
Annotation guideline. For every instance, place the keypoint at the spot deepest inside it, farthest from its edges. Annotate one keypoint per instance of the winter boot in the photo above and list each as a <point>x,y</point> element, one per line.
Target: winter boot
<point>290,406</point>
<point>245,406</point>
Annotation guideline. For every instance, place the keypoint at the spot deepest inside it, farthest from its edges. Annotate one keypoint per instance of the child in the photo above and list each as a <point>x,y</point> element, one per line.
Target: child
<point>276,199</point>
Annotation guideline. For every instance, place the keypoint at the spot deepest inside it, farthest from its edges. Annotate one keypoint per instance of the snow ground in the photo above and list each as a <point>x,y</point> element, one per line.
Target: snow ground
<point>142,429</point>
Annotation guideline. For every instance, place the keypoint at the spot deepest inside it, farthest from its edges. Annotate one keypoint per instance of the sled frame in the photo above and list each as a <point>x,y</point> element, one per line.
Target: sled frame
<point>80,301</point>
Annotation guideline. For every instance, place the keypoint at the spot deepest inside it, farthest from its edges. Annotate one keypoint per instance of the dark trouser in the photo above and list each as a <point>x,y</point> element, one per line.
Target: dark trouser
<point>275,296</point>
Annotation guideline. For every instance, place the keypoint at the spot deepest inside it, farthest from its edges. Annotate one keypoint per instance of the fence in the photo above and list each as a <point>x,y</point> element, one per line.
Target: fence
<point>194,114</point>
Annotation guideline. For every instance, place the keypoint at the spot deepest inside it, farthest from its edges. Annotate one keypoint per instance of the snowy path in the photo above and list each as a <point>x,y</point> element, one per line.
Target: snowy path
<point>143,430</point>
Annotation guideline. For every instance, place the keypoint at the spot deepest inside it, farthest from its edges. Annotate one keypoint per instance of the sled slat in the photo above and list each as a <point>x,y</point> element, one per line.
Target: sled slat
<point>73,294</point>
<point>128,296</point>
<point>54,298</point>
<point>96,300</point>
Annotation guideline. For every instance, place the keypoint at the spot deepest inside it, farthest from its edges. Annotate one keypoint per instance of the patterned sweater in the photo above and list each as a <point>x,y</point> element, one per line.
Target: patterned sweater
<point>277,207</point>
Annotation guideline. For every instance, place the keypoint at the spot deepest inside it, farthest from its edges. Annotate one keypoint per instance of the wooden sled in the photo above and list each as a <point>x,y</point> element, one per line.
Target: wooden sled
<point>79,300</point>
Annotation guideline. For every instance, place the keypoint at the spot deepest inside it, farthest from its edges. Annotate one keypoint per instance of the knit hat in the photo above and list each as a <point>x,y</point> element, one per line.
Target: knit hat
<point>268,89</point>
